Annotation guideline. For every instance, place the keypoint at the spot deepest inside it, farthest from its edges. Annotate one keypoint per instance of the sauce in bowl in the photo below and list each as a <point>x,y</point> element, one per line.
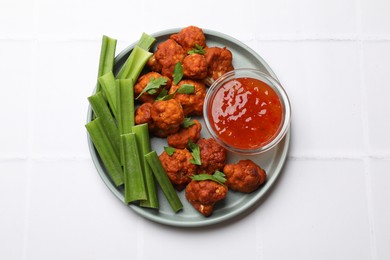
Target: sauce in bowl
<point>246,113</point>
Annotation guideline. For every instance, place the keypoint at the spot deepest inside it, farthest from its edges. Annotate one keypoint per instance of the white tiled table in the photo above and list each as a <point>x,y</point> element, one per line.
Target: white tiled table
<point>332,198</point>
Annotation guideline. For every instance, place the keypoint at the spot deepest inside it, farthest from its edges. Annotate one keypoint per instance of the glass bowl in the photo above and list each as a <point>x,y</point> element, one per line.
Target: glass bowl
<point>247,111</point>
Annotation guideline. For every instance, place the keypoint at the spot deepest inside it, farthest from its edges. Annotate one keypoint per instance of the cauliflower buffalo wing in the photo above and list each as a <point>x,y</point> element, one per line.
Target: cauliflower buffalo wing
<point>178,167</point>
<point>245,176</point>
<point>195,66</point>
<point>168,53</point>
<point>181,138</point>
<point>213,156</point>
<point>167,116</point>
<point>219,61</point>
<point>143,81</point>
<point>192,103</point>
<point>203,195</point>
<point>189,37</point>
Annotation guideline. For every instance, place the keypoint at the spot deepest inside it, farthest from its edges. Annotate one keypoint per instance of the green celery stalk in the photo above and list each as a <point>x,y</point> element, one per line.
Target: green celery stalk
<point>125,109</point>
<point>106,151</point>
<point>143,142</point>
<point>163,180</point>
<point>108,84</point>
<point>146,41</point>
<point>107,56</point>
<point>134,64</point>
<point>101,109</point>
<point>133,177</point>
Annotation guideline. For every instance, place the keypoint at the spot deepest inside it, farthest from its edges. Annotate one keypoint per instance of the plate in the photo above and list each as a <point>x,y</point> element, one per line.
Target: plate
<point>235,203</point>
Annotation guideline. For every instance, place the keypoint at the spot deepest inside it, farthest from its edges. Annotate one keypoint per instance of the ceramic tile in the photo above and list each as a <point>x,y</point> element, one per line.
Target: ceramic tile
<point>16,18</point>
<point>375,20</point>
<point>317,210</point>
<point>376,56</point>
<point>380,178</point>
<point>66,78</point>
<point>13,199</point>
<point>334,18</point>
<point>74,216</point>
<point>220,237</point>
<point>320,78</point>
<point>15,106</point>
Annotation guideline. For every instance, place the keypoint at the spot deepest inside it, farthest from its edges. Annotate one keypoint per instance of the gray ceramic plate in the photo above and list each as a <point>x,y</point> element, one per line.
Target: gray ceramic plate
<point>235,203</point>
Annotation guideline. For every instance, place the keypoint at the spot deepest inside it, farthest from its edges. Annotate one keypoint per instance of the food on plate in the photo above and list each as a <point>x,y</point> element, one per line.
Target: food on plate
<point>192,103</point>
<point>167,116</point>
<point>178,167</point>
<point>195,66</point>
<point>203,195</point>
<point>219,61</point>
<point>244,176</point>
<point>189,48</point>
<point>190,37</point>
<point>171,88</point>
<point>168,53</point>
<point>185,134</point>
<point>213,156</point>
<point>149,86</point>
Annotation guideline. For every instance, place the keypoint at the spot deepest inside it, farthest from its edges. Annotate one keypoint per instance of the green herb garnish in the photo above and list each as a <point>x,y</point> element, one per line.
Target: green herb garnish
<point>218,177</point>
<point>169,150</point>
<point>153,85</point>
<point>188,122</point>
<point>178,73</point>
<point>186,89</point>
<point>195,152</point>
<point>197,49</point>
<point>183,89</point>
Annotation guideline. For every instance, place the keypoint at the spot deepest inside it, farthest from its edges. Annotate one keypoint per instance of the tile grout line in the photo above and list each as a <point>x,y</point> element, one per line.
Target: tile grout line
<point>366,141</point>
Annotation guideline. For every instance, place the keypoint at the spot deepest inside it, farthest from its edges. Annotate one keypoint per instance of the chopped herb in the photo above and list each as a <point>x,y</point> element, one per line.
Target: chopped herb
<point>195,152</point>
<point>218,177</point>
<point>188,122</point>
<point>186,89</point>
<point>169,150</point>
<point>197,49</point>
<point>178,73</point>
<point>153,85</point>
<point>183,89</point>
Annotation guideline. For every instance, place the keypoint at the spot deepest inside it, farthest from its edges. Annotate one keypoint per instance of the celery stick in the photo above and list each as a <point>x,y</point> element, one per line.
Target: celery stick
<point>107,56</point>
<point>96,130</point>
<point>101,109</point>
<point>146,41</point>
<point>108,84</point>
<point>133,177</point>
<point>125,108</point>
<point>143,143</point>
<point>134,64</point>
<point>163,180</point>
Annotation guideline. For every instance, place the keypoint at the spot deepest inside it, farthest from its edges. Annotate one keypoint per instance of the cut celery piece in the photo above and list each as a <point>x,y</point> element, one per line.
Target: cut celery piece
<point>133,177</point>
<point>96,130</point>
<point>107,56</point>
<point>143,143</point>
<point>108,84</point>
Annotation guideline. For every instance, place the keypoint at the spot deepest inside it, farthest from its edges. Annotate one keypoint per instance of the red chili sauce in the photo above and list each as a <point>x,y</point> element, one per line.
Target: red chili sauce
<point>245,113</point>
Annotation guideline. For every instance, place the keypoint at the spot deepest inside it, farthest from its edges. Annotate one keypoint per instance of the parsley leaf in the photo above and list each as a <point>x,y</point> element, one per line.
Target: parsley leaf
<point>195,152</point>
<point>178,73</point>
<point>197,49</point>
<point>186,89</point>
<point>169,150</point>
<point>153,85</point>
<point>218,177</point>
<point>188,122</point>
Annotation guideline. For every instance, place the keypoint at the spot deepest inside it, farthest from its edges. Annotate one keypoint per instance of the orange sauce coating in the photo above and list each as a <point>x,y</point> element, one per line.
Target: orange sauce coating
<point>245,113</point>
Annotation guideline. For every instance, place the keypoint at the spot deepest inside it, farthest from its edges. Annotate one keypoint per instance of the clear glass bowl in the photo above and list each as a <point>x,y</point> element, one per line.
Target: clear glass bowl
<point>271,82</point>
